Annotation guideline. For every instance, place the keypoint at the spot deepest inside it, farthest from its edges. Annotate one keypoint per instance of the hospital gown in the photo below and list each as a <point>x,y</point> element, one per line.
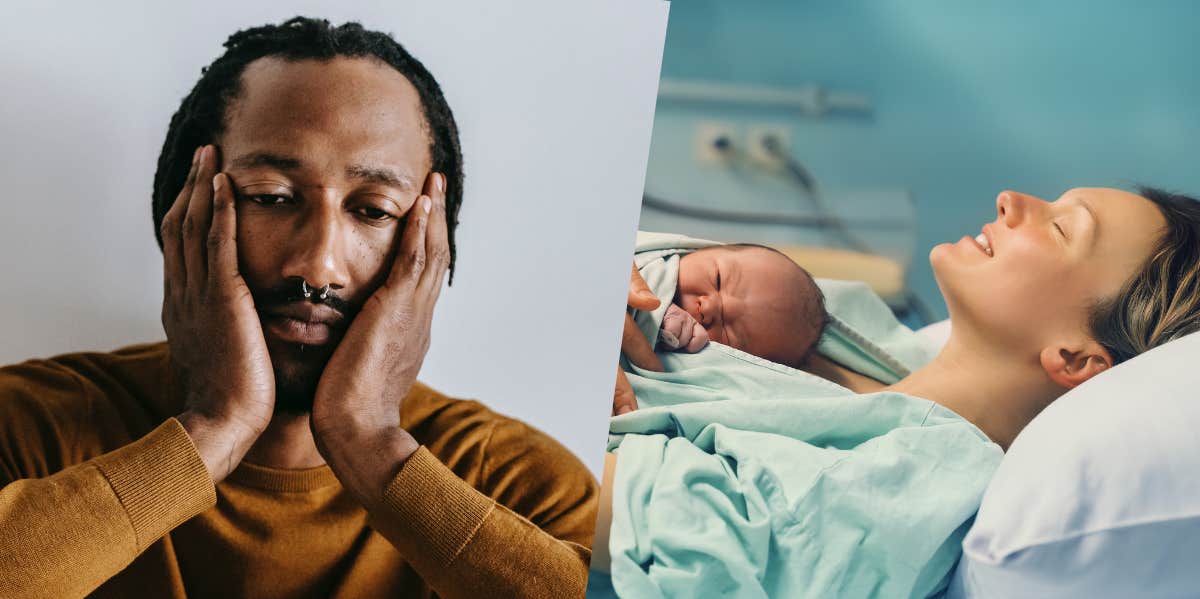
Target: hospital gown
<point>739,477</point>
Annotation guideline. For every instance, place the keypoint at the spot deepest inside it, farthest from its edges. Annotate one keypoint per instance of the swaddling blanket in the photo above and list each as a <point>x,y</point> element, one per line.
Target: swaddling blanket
<point>739,477</point>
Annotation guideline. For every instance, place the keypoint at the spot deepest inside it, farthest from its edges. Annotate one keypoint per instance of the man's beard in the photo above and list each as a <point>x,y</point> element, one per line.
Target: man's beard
<point>296,383</point>
<point>298,368</point>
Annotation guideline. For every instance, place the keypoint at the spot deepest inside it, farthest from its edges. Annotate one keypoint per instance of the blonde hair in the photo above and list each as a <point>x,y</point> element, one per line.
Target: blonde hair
<point>1162,301</point>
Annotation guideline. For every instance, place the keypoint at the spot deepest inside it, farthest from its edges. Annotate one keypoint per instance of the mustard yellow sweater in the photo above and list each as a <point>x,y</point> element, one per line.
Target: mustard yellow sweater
<point>103,493</point>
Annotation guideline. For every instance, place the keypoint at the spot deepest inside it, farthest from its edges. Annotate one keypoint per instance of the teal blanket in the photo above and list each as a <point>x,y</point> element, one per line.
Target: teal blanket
<point>739,477</point>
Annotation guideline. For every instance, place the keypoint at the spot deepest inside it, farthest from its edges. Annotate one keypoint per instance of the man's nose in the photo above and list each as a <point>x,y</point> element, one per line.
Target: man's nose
<point>316,253</point>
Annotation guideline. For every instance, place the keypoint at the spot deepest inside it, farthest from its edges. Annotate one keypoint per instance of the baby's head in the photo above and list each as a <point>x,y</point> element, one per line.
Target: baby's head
<point>755,299</point>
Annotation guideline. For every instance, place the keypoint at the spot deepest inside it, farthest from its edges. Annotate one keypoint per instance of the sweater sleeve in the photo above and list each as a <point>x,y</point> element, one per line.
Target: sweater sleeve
<point>67,528</point>
<point>525,532</point>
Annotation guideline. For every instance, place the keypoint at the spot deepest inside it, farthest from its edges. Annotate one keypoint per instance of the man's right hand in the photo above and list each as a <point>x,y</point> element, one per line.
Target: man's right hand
<point>218,352</point>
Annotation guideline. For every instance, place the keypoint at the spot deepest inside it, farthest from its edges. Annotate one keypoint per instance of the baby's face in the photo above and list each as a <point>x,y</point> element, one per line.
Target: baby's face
<point>752,299</point>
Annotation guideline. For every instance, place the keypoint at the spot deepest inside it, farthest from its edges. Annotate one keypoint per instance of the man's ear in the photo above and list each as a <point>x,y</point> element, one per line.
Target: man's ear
<point>1070,365</point>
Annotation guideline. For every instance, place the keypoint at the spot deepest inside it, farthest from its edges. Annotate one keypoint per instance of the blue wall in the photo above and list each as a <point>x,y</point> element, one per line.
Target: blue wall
<point>968,101</point>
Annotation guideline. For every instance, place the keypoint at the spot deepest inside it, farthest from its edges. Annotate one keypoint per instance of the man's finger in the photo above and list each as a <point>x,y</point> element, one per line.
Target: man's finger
<point>222,236</point>
<point>174,273</point>
<point>409,262</point>
<point>623,398</point>
<point>197,220</point>
<point>636,348</point>
<point>437,244</point>
<point>640,296</point>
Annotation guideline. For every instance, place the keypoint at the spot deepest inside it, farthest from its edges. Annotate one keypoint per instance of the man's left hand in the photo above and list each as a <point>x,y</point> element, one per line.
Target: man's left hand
<point>356,410</point>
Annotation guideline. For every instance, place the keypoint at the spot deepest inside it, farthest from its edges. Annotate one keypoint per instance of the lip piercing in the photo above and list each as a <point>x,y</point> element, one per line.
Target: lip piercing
<point>307,292</point>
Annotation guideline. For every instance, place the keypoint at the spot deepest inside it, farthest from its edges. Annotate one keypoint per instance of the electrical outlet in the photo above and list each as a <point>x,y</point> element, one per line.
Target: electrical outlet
<point>757,139</point>
<point>714,142</point>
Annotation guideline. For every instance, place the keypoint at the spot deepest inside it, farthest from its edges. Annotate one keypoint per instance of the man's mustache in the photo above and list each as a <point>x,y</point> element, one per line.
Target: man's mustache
<point>291,292</point>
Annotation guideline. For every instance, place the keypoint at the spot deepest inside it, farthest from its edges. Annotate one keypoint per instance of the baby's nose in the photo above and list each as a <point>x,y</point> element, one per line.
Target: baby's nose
<point>709,308</point>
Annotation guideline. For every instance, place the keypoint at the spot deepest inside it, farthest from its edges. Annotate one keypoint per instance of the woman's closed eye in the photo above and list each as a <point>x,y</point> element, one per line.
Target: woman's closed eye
<point>1061,231</point>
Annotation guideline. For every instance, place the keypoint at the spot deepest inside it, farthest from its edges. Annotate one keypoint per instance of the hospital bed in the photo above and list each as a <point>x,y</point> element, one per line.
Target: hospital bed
<point>1099,496</point>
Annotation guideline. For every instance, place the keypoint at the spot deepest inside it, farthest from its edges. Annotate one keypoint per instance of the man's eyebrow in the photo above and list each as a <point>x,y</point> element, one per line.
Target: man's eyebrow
<point>381,175</point>
<point>369,174</point>
<point>283,163</point>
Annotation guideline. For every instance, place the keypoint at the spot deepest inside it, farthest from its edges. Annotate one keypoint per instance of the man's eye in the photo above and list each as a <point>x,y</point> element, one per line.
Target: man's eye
<point>374,213</point>
<point>1060,230</point>
<point>267,199</point>
<point>718,281</point>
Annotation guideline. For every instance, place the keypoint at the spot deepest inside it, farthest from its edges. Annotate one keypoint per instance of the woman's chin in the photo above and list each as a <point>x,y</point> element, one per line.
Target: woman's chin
<point>939,257</point>
<point>939,253</point>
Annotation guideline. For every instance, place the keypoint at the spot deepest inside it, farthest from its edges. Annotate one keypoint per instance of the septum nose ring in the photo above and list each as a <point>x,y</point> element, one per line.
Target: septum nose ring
<point>307,292</point>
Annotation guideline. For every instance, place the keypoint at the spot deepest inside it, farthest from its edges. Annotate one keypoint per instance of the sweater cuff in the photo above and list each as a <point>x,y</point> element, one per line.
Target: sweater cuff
<point>160,480</point>
<point>427,507</point>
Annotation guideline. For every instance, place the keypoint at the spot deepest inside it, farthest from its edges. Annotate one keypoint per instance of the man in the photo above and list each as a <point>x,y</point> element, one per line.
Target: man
<point>277,444</point>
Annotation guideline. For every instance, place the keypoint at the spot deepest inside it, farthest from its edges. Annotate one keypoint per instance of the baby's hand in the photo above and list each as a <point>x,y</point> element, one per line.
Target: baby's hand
<point>681,332</point>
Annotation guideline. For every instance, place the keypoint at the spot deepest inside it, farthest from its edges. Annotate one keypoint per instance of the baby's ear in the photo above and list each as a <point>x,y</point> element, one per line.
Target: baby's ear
<point>1071,365</point>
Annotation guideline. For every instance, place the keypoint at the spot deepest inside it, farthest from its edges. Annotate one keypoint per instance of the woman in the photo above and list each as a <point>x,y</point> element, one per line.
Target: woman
<point>1045,297</point>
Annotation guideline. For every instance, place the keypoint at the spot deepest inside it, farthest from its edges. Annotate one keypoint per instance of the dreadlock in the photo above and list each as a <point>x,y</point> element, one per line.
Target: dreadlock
<point>200,119</point>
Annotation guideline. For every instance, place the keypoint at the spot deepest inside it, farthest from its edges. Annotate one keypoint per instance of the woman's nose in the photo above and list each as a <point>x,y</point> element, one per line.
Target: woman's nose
<point>316,252</point>
<point>1013,207</point>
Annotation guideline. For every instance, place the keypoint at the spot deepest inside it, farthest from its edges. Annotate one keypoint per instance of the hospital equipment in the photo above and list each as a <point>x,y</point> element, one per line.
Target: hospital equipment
<point>857,259</point>
<point>807,100</point>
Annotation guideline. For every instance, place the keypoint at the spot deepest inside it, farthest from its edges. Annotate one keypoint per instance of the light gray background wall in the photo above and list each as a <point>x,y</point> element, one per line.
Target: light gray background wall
<point>555,103</point>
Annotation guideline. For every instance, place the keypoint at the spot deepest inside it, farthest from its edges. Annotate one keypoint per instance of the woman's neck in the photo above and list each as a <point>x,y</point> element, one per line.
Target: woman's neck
<point>993,392</point>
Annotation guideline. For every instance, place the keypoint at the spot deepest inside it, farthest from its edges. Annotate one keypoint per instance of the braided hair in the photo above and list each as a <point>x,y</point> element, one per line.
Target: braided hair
<point>201,117</point>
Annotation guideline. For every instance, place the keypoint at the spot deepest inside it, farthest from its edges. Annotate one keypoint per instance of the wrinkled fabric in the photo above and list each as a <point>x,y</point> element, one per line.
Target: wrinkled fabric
<point>739,477</point>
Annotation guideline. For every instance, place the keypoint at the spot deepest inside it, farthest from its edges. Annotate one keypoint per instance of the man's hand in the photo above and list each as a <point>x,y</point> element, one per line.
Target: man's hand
<point>356,411</point>
<point>633,344</point>
<point>218,352</point>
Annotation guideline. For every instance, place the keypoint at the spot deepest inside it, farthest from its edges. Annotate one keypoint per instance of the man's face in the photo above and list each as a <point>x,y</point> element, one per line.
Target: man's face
<point>326,159</point>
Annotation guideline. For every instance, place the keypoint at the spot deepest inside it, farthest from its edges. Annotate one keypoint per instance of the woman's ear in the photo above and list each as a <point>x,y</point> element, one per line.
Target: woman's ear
<point>1070,366</point>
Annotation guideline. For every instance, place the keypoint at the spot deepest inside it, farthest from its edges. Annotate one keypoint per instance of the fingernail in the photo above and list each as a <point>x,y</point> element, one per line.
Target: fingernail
<point>218,185</point>
<point>426,204</point>
<point>624,410</point>
<point>196,153</point>
<point>440,181</point>
<point>646,293</point>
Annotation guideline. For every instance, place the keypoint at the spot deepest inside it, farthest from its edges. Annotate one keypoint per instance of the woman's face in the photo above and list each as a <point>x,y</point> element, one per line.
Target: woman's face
<point>1043,264</point>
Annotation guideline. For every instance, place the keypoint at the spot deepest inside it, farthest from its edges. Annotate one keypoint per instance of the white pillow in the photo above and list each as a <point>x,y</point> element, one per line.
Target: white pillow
<point>1100,495</point>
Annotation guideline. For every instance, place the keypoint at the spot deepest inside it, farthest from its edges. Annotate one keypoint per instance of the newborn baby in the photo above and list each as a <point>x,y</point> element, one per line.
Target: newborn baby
<point>748,297</point>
